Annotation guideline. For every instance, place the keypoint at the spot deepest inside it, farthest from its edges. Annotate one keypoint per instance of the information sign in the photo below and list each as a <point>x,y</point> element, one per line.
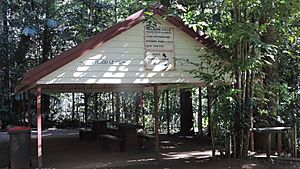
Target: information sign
<point>159,38</point>
<point>158,61</point>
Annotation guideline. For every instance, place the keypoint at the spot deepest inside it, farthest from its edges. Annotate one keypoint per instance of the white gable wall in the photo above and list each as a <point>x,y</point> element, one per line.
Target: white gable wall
<point>121,61</point>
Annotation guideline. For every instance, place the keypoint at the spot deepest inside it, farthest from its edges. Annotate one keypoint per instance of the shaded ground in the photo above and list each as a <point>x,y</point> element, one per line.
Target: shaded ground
<point>63,149</point>
<point>214,164</point>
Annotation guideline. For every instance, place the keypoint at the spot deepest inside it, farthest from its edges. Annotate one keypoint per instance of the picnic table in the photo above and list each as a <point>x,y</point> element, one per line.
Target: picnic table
<point>128,132</point>
<point>99,126</point>
<point>272,130</point>
<point>93,128</point>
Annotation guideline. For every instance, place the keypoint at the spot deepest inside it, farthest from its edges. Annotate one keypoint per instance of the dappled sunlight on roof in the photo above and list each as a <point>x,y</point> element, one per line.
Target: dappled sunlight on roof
<point>186,154</point>
<point>140,160</point>
<point>61,75</point>
<point>108,81</point>
<point>111,74</point>
<point>141,81</point>
<point>112,68</point>
<point>78,74</point>
<point>91,81</point>
<point>82,68</point>
<point>123,68</point>
<point>98,56</point>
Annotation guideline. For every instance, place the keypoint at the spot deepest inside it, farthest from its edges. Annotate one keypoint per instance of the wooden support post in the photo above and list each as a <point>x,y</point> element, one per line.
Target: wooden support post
<point>29,115</point>
<point>168,113</point>
<point>39,125</point>
<point>156,122</point>
<point>269,144</point>
<point>279,137</point>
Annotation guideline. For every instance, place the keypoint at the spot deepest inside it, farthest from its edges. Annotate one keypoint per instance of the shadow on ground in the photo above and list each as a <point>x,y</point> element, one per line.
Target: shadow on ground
<point>63,149</point>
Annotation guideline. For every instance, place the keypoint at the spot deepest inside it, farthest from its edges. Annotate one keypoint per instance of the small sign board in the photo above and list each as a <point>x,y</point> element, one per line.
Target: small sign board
<point>158,61</point>
<point>159,38</point>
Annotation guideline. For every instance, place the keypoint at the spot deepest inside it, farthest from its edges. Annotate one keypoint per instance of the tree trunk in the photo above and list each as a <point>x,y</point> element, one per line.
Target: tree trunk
<point>125,105</point>
<point>209,104</point>
<point>162,105</point>
<point>137,108</point>
<point>77,109</point>
<point>46,51</point>
<point>237,120</point>
<point>210,120</point>
<point>272,72</point>
<point>143,110</point>
<point>247,116</point>
<point>5,59</point>
<point>47,36</point>
<point>116,11</point>
<point>118,107</point>
<point>200,130</point>
<point>251,110</point>
<point>237,86</point>
<point>85,109</point>
<point>46,109</point>
<point>100,105</point>
<point>96,105</point>
<point>168,112</point>
<point>186,112</point>
<point>73,110</point>
<point>112,107</point>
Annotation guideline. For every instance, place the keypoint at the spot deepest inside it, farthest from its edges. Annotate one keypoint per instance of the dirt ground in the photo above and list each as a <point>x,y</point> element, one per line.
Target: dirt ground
<point>63,149</point>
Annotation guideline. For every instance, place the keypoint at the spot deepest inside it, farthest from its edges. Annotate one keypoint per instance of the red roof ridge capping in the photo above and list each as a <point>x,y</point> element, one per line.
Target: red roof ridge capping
<point>30,78</point>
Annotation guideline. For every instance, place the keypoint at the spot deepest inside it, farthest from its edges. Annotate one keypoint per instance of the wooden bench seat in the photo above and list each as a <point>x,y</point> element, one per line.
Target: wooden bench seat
<point>110,143</point>
<point>146,141</point>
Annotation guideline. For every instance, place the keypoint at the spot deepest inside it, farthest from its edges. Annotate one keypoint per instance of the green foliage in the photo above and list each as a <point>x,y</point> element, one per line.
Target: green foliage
<point>260,58</point>
<point>35,31</point>
<point>242,27</point>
